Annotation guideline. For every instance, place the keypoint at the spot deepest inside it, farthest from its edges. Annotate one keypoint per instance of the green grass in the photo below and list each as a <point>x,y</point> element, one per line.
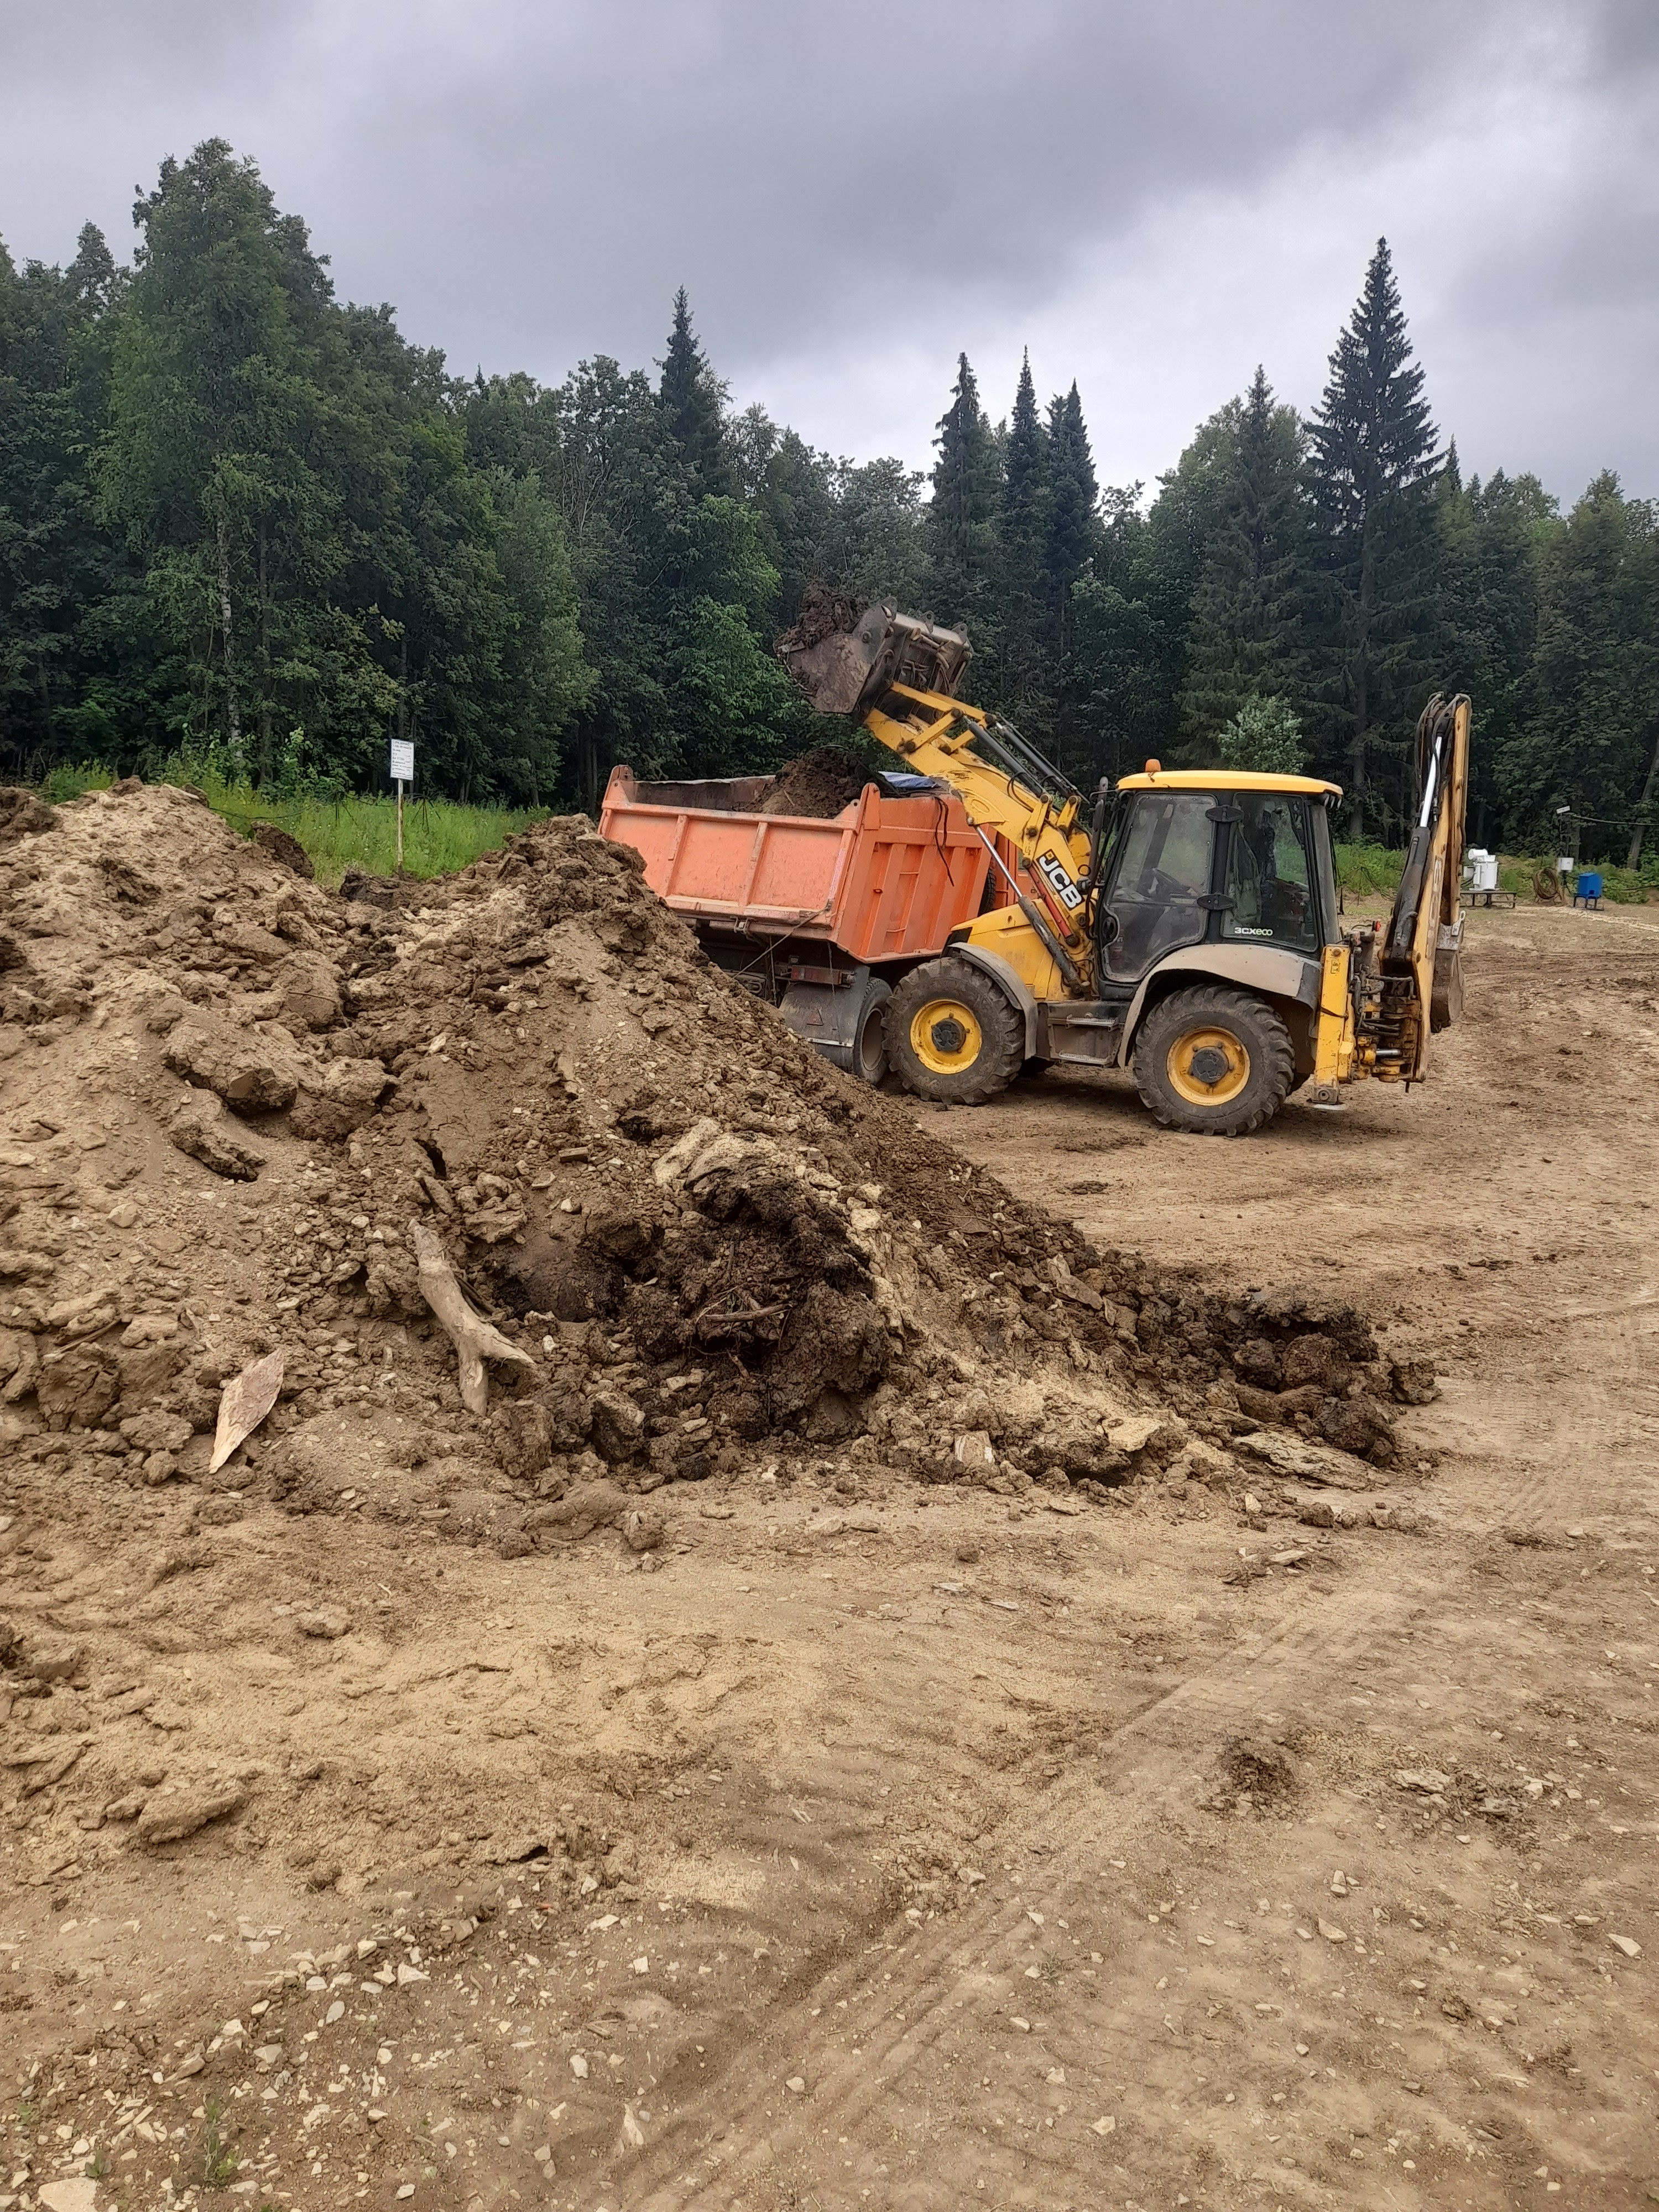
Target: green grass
<point>1620,886</point>
<point>220,2159</point>
<point>1370,871</point>
<point>338,832</point>
<point>1366,870</point>
<point>1627,886</point>
<point>68,781</point>
<point>439,837</point>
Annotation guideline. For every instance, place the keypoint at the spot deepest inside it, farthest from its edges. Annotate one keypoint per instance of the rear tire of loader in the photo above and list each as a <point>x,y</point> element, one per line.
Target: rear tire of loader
<point>1215,1062</point>
<point>953,1036</point>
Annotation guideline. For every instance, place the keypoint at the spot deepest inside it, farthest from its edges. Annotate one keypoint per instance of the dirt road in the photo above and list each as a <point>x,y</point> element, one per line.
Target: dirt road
<point>955,1848</point>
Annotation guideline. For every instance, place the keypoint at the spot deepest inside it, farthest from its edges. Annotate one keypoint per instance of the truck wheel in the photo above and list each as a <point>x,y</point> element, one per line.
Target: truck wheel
<point>870,1038</point>
<point>1213,1061</point>
<point>951,1034</point>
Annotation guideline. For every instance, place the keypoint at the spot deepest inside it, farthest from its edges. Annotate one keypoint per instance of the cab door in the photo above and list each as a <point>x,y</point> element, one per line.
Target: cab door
<point>1273,883</point>
<point>1157,896</point>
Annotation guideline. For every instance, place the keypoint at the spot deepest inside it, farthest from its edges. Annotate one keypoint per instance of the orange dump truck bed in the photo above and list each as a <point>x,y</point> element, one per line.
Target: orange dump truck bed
<point>887,879</point>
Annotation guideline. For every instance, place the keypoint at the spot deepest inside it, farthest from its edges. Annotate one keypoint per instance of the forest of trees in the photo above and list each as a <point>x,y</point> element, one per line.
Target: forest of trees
<point>240,521</point>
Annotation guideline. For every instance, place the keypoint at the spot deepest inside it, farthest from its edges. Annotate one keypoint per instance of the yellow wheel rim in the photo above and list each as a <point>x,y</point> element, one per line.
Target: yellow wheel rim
<point>945,1037</point>
<point>1208,1067</point>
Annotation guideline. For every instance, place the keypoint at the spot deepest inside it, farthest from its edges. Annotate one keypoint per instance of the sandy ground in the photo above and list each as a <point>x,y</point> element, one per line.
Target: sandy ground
<point>973,1852</point>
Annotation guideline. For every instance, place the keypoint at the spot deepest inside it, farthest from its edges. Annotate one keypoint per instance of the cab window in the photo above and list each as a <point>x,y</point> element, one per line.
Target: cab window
<point>1162,870</point>
<point>1166,854</point>
<point>1271,873</point>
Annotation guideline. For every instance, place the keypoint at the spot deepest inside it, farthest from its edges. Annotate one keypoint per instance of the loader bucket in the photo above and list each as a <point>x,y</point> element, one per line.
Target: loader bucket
<point>844,658</point>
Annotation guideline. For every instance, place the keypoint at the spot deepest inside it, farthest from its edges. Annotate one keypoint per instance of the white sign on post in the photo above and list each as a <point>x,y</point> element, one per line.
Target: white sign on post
<point>403,772</point>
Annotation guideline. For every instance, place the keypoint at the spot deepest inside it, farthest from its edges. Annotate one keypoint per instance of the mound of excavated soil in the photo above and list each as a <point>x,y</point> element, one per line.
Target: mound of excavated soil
<point>228,1099</point>
<point>818,784</point>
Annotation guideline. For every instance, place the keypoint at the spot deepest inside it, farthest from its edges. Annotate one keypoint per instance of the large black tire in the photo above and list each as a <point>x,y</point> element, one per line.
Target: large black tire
<point>952,1035</point>
<point>1213,1061</point>
<point>869,1035</point>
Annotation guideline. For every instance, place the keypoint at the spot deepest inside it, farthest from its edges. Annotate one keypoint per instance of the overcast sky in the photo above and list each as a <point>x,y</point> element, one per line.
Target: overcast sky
<point>1152,198</point>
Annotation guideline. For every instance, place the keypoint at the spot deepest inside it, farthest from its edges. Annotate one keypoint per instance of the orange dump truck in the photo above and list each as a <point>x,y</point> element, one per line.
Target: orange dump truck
<point>819,917</point>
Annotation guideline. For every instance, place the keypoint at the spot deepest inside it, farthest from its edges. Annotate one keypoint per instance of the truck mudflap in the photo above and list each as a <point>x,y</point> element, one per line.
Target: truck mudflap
<point>842,1020</point>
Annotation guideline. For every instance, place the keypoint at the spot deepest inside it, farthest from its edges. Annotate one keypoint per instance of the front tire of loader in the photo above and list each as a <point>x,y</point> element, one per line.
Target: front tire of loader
<point>953,1036</point>
<point>1215,1062</point>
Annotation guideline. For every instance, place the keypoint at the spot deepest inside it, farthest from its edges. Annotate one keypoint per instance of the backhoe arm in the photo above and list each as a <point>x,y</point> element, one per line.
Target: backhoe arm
<point>1412,987</point>
<point>1424,935</point>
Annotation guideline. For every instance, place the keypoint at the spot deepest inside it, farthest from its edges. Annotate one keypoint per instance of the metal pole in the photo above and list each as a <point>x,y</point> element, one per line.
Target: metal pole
<point>400,825</point>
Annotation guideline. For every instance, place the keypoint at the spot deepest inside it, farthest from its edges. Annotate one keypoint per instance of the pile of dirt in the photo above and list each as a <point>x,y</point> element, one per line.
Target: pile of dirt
<point>620,1148</point>
<point>819,784</point>
<point>243,1116</point>
<point>823,613</point>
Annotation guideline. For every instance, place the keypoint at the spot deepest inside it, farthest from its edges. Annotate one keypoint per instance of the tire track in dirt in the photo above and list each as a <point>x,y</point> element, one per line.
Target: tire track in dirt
<point>1535,1435</point>
<point>764,2136</point>
<point>983,1941</point>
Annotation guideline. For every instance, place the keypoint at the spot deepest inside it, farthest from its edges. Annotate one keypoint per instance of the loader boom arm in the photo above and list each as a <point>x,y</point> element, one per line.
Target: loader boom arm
<point>898,675</point>
<point>1000,780</point>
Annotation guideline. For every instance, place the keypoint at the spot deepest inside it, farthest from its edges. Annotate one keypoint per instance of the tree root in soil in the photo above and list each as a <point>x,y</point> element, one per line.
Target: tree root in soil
<point>473,1337</point>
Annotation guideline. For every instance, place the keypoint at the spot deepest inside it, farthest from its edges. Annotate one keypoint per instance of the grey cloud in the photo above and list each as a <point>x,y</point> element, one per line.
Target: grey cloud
<point>796,164</point>
<point>867,165</point>
<point>528,183</point>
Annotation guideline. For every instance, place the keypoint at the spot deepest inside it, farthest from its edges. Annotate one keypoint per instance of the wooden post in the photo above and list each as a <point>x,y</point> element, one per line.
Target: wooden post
<point>401,767</point>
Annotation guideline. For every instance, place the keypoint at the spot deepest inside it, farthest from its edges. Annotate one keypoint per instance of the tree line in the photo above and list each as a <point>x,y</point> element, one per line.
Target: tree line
<point>243,521</point>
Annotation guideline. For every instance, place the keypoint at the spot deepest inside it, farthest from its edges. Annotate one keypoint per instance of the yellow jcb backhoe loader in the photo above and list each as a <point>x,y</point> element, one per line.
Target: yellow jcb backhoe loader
<point>1187,931</point>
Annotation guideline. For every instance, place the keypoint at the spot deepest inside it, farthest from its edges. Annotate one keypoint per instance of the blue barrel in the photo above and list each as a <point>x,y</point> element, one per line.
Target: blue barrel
<point>1590,883</point>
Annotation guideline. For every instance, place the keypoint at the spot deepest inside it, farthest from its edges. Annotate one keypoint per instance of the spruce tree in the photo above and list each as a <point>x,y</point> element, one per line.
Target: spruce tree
<point>93,278</point>
<point>1245,638</point>
<point>1491,539</point>
<point>59,573</point>
<point>1073,534</point>
<point>959,515</point>
<point>1021,544</point>
<point>1133,609</point>
<point>690,396</point>
<point>1592,740</point>
<point>1371,461</point>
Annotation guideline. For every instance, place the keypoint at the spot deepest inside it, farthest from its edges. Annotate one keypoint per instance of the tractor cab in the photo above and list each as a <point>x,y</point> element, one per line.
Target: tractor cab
<point>1205,857</point>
